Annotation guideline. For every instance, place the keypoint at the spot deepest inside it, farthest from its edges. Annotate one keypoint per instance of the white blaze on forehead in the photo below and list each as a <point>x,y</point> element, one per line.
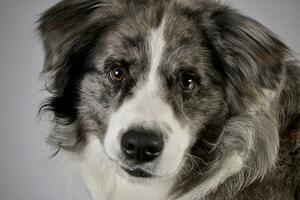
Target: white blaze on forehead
<point>148,108</point>
<point>156,50</point>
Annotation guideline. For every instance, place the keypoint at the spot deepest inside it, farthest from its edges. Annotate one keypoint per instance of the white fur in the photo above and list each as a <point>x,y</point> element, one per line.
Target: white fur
<point>157,47</point>
<point>101,177</point>
<point>100,165</point>
<point>147,108</point>
<point>232,164</point>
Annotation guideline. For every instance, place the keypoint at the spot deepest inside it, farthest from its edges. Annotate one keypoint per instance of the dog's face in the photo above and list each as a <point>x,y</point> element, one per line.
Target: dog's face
<point>156,82</point>
<point>158,93</point>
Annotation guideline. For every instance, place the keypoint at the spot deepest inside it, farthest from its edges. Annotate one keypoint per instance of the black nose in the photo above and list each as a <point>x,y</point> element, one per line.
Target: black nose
<point>141,145</point>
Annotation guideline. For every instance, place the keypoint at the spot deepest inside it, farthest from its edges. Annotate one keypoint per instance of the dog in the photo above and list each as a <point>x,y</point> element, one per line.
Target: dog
<point>172,100</point>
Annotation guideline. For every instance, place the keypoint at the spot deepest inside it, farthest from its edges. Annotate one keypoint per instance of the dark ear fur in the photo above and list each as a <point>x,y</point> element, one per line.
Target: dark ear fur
<point>61,27</point>
<point>250,57</point>
<point>69,33</point>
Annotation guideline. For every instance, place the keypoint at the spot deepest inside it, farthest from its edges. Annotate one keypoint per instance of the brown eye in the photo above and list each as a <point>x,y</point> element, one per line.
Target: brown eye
<point>118,74</point>
<point>187,82</point>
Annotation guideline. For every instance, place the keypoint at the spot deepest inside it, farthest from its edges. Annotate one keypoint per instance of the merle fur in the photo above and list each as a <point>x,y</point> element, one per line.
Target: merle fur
<point>243,59</point>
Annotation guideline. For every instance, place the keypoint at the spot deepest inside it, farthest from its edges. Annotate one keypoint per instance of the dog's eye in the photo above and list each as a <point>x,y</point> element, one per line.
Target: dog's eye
<point>117,74</point>
<point>187,81</point>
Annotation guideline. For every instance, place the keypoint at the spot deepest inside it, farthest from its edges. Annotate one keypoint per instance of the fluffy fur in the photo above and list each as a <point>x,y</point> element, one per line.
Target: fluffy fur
<point>234,136</point>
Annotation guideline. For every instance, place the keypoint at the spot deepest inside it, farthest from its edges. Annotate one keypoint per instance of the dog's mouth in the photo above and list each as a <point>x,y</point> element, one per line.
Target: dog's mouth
<point>138,173</point>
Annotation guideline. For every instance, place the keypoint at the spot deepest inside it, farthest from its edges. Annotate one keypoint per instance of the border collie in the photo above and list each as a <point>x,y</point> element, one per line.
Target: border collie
<point>172,100</point>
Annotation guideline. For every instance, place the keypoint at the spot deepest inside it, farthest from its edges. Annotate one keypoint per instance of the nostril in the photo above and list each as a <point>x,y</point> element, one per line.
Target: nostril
<point>129,148</point>
<point>153,150</point>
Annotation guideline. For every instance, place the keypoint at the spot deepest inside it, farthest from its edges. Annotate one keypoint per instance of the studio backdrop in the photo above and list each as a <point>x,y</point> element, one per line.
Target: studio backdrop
<point>26,172</point>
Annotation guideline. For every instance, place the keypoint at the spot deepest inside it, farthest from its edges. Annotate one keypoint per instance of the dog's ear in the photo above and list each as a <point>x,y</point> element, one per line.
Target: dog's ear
<point>67,30</point>
<point>249,55</point>
<point>70,32</point>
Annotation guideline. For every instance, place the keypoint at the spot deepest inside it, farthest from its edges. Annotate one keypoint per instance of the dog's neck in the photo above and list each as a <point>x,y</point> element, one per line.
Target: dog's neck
<point>101,177</point>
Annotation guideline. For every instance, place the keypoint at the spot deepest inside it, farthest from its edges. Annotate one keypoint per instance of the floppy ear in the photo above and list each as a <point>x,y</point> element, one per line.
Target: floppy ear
<point>66,29</point>
<point>70,31</point>
<point>249,55</point>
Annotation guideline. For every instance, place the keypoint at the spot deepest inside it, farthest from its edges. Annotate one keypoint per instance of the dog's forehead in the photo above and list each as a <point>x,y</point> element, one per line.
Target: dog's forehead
<point>184,42</point>
<point>133,39</point>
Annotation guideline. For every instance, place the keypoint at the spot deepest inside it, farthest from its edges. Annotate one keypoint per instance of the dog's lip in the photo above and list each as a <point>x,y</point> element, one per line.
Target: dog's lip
<point>139,173</point>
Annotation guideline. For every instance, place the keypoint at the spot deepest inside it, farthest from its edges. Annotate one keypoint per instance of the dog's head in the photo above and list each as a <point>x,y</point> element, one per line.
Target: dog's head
<point>165,86</point>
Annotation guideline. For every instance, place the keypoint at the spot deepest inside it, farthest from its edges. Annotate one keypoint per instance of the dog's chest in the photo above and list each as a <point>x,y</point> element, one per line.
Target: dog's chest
<point>104,183</point>
<point>110,186</point>
<point>126,190</point>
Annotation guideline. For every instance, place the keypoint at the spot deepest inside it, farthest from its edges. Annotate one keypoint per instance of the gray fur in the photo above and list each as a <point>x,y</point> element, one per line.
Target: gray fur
<point>247,99</point>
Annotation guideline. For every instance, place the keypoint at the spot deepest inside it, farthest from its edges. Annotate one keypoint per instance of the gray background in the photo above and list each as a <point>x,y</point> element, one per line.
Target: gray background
<point>26,173</point>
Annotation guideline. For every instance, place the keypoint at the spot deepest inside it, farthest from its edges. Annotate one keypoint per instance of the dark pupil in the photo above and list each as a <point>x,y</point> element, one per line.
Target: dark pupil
<point>187,82</point>
<point>118,74</point>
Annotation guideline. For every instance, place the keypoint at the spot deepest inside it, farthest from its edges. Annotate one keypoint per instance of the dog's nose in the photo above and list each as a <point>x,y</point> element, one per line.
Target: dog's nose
<point>141,145</point>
